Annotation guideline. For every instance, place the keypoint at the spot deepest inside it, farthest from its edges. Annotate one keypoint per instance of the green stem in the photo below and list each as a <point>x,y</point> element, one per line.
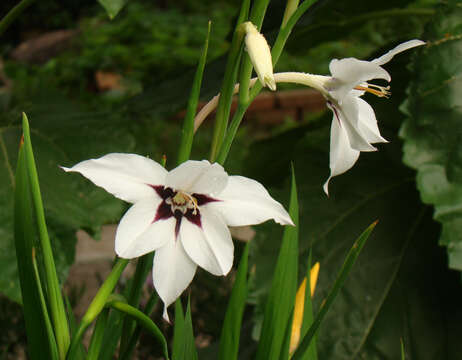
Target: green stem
<point>142,270</point>
<point>58,312</point>
<point>13,14</point>
<point>97,305</point>
<point>98,335</point>
<point>136,334</point>
<point>227,88</point>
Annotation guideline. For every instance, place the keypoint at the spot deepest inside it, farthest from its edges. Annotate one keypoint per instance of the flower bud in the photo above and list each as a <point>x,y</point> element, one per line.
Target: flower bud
<point>260,55</point>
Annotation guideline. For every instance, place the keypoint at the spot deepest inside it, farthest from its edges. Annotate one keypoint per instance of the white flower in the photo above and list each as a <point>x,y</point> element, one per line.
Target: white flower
<point>182,214</point>
<point>260,55</point>
<point>354,126</point>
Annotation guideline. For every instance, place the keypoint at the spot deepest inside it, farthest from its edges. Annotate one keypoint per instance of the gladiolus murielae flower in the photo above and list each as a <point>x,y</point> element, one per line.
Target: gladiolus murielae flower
<point>300,305</point>
<point>260,55</point>
<point>182,214</point>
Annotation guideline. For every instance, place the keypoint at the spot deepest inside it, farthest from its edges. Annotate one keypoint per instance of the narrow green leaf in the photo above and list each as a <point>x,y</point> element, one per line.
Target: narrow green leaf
<point>112,7</point>
<point>343,274</point>
<point>178,332</point>
<point>97,304</point>
<point>231,330</point>
<point>73,327</point>
<point>36,317</point>
<point>187,133</point>
<point>143,320</point>
<point>183,336</point>
<point>190,352</point>
<point>13,14</point>
<point>281,298</point>
<point>98,334</point>
<point>54,297</point>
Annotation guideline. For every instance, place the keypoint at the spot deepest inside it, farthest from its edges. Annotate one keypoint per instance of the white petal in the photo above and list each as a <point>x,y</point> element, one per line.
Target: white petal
<point>198,177</point>
<point>348,117</point>
<point>137,235</point>
<point>341,157</point>
<point>172,272</point>
<point>246,202</point>
<point>211,246</point>
<point>123,175</point>
<point>368,123</point>
<point>400,48</point>
<point>350,72</point>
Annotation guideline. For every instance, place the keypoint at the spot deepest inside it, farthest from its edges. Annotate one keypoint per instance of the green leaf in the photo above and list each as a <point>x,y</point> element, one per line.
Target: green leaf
<point>112,7</point>
<point>281,298</point>
<point>187,132</point>
<point>179,337</point>
<point>36,317</point>
<point>433,131</point>
<point>230,333</point>
<point>53,297</point>
<point>339,282</point>
<point>183,336</point>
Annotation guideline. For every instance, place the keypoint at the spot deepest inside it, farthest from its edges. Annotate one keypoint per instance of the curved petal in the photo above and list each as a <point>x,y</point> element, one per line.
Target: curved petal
<point>209,246</point>
<point>347,115</point>
<point>246,202</point>
<point>198,177</point>
<point>367,123</point>
<point>396,50</point>
<point>172,272</point>
<point>341,157</point>
<point>123,175</point>
<point>135,233</point>
<point>350,72</point>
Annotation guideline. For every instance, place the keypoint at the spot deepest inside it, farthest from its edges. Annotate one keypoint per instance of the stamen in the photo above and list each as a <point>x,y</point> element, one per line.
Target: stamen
<point>184,201</point>
<point>380,91</point>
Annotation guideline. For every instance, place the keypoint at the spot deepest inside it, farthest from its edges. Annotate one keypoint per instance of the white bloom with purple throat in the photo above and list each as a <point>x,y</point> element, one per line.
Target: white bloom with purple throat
<point>183,214</point>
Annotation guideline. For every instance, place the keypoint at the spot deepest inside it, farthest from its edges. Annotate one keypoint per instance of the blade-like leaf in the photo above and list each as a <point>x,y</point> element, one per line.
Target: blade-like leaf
<point>112,7</point>
<point>53,295</point>
<point>190,352</point>
<point>344,271</point>
<point>35,317</point>
<point>230,333</point>
<point>282,294</point>
<point>179,337</point>
<point>187,133</point>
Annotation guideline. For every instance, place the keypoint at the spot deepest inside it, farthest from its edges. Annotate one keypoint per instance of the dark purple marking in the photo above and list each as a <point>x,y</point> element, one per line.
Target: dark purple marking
<point>334,110</point>
<point>164,210</point>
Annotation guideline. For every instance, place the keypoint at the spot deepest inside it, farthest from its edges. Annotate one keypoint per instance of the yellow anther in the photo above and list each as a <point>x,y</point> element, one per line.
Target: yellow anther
<point>380,91</point>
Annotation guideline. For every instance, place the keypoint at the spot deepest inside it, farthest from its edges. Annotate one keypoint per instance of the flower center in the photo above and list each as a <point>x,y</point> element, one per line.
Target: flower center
<point>183,202</point>
<point>380,91</point>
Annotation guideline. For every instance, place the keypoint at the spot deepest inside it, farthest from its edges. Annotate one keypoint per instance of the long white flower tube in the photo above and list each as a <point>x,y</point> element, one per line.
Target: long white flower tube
<point>182,214</point>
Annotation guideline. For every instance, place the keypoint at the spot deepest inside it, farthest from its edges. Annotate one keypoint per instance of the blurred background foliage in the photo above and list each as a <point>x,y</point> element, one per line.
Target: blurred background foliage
<point>115,86</point>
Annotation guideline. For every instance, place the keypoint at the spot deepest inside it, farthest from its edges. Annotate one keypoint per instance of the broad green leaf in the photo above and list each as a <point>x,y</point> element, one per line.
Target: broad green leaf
<point>112,7</point>
<point>281,299</point>
<point>36,318</point>
<point>432,132</point>
<point>230,333</point>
